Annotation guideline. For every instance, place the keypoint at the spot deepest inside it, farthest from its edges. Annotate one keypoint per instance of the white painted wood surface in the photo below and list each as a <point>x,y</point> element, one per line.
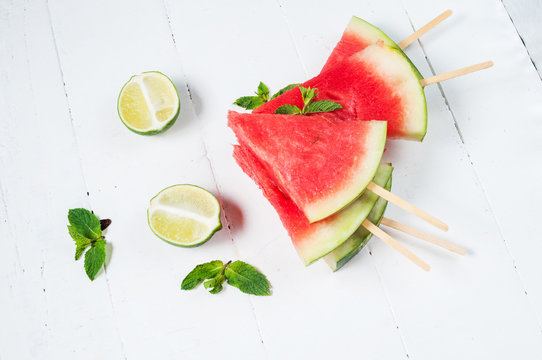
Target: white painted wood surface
<point>62,64</point>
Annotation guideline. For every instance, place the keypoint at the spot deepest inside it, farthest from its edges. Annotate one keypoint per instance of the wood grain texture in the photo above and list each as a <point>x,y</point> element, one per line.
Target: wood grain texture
<point>62,64</point>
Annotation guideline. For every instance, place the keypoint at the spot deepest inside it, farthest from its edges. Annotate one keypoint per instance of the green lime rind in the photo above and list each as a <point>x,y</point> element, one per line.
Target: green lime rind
<point>168,123</point>
<point>387,40</point>
<point>353,245</point>
<point>201,242</point>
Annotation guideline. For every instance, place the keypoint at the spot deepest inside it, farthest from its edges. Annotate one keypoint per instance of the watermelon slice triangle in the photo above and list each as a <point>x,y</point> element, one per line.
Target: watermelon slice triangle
<point>378,82</point>
<point>322,165</point>
<point>312,241</point>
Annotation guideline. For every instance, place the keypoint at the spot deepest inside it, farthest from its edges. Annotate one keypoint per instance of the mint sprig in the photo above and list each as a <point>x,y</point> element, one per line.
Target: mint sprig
<point>246,278</point>
<point>309,105</point>
<point>86,230</point>
<point>238,273</point>
<point>202,272</point>
<point>263,92</point>
<point>262,96</point>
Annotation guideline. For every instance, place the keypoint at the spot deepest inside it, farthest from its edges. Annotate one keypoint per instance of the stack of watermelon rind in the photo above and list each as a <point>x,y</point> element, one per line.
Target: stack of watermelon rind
<point>370,76</point>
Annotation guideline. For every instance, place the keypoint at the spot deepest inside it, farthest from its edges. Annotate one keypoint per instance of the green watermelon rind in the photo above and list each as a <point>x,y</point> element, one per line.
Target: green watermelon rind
<point>420,135</point>
<point>375,143</point>
<point>355,243</point>
<point>361,26</point>
<point>351,219</point>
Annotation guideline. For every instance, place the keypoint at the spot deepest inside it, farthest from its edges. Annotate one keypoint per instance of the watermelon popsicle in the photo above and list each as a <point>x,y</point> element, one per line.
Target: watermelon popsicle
<point>321,164</point>
<point>359,34</point>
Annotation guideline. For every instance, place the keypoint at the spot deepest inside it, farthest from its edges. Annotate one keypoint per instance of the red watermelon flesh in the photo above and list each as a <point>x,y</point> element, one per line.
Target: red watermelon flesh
<point>321,164</point>
<point>376,83</point>
<point>312,241</point>
<point>357,36</point>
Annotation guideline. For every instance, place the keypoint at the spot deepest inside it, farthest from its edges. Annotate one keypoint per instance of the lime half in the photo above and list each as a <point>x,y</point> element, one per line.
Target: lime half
<point>184,215</point>
<point>148,103</point>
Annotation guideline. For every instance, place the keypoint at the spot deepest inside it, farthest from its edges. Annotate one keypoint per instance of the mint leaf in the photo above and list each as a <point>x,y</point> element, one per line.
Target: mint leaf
<point>288,110</point>
<point>284,89</point>
<point>239,274</point>
<point>80,249</point>
<point>308,95</point>
<point>85,223</point>
<point>76,236</point>
<point>249,102</point>
<point>247,279</point>
<point>252,102</point>
<point>80,241</point>
<point>202,272</point>
<point>263,92</point>
<point>95,258</point>
<point>215,283</point>
<point>322,106</point>
<point>309,105</point>
<point>86,230</point>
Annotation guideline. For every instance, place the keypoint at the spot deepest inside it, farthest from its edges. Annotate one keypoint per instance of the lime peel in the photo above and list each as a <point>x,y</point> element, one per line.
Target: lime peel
<point>148,103</point>
<point>184,215</point>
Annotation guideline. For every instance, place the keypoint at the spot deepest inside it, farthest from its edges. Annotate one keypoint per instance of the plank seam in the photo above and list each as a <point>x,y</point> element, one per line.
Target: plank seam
<point>478,180</point>
<point>292,38</point>
<point>72,122</point>
<point>521,38</point>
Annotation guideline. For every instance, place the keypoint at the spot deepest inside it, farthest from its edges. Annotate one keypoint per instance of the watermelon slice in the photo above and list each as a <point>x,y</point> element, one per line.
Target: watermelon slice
<point>345,252</point>
<point>312,241</point>
<point>376,83</point>
<point>322,165</point>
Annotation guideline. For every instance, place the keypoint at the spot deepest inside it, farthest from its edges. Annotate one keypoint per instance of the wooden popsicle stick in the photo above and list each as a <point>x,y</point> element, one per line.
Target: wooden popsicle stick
<point>422,235</point>
<point>421,31</point>
<point>380,191</point>
<point>455,73</point>
<point>379,233</point>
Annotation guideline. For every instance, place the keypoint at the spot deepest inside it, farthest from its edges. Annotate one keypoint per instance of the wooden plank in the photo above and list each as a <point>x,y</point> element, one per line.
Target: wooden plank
<point>124,170</point>
<point>501,129</point>
<point>49,307</point>
<point>459,299</point>
<point>331,311</point>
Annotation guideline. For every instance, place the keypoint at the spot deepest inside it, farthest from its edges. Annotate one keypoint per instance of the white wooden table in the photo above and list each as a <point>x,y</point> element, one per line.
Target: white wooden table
<point>62,64</point>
